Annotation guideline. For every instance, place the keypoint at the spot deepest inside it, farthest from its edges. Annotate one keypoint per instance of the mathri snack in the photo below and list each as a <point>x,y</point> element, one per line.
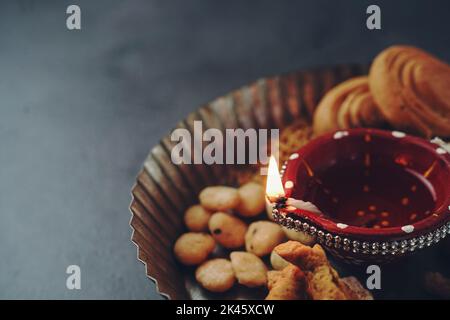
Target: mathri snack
<point>193,248</point>
<point>227,230</point>
<point>215,275</point>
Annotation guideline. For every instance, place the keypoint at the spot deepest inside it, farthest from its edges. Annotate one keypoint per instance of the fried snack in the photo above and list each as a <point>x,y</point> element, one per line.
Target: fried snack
<point>252,199</point>
<point>249,269</point>
<point>193,248</point>
<point>219,198</point>
<point>215,275</point>
<point>323,281</point>
<point>287,284</point>
<point>262,237</point>
<point>196,218</point>
<point>412,90</point>
<point>293,137</point>
<point>354,290</point>
<point>277,262</point>
<point>227,230</point>
<point>348,105</point>
<point>437,284</point>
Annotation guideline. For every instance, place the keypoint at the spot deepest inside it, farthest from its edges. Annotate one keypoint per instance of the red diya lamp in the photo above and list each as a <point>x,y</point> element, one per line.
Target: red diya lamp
<point>367,195</point>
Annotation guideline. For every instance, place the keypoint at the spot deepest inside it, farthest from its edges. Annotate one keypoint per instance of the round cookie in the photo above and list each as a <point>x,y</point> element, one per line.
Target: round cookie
<point>215,275</point>
<point>252,199</point>
<point>227,230</point>
<point>193,248</point>
<point>262,237</point>
<point>196,218</point>
<point>348,105</point>
<point>412,90</point>
<point>249,269</point>
<point>219,198</point>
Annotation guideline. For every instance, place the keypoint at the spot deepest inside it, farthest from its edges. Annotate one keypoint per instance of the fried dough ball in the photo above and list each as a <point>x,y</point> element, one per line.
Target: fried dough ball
<point>215,275</point>
<point>219,198</point>
<point>262,237</point>
<point>249,269</point>
<point>227,230</point>
<point>252,199</point>
<point>193,248</point>
<point>196,218</point>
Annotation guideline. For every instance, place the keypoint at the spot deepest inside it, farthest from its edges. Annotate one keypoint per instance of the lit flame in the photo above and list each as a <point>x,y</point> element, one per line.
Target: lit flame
<point>274,186</point>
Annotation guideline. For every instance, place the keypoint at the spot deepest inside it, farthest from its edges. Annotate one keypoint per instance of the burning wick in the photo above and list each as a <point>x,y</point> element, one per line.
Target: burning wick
<point>274,186</point>
<point>276,197</point>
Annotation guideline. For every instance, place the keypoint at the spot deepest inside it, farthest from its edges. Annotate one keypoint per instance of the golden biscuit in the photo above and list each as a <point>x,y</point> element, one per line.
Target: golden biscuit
<point>262,237</point>
<point>252,199</point>
<point>193,248</point>
<point>219,198</point>
<point>249,269</point>
<point>227,230</point>
<point>215,275</point>
<point>196,218</point>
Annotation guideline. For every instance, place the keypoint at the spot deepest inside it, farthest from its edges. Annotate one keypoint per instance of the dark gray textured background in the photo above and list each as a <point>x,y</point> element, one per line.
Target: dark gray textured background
<point>79,111</point>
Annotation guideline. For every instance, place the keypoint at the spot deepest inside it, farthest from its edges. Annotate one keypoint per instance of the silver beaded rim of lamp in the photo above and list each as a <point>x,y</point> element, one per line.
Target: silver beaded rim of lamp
<point>356,245</point>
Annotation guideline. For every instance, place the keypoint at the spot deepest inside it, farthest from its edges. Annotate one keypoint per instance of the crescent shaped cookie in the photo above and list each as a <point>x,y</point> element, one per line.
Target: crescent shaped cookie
<point>412,90</point>
<point>348,105</point>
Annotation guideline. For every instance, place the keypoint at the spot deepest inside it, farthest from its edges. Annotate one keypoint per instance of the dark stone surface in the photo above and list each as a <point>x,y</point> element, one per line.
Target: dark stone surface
<point>79,110</point>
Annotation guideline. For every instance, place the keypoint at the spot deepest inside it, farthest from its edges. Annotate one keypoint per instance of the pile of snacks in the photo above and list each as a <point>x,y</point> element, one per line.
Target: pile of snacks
<point>293,137</point>
<point>407,89</point>
<point>233,219</point>
<point>227,217</point>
